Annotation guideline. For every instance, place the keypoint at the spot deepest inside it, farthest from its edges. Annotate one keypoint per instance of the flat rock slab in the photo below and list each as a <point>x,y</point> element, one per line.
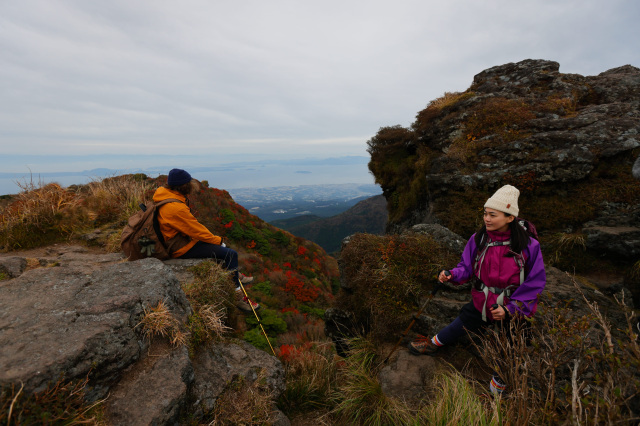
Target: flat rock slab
<point>62,321</point>
<point>408,377</point>
<point>153,390</point>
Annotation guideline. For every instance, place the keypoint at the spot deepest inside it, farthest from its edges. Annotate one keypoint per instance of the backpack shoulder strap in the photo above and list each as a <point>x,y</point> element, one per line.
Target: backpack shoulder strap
<point>156,222</point>
<point>168,200</point>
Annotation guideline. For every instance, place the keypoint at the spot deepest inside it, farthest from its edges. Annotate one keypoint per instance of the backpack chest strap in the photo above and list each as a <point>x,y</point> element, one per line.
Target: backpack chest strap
<point>480,257</point>
<point>501,292</point>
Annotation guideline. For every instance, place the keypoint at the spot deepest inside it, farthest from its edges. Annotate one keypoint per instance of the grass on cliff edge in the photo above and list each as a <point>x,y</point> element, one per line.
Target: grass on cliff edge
<point>45,213</point>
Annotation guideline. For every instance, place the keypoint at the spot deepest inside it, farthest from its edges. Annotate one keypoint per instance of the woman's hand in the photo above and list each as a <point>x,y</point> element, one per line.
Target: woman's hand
<point>444,276</point>
<point>498,313</point>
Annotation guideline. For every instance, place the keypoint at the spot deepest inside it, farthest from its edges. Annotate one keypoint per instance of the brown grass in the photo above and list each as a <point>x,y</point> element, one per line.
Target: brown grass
<point>449,98</point>
<point>562,243</point>
<point>244,403</point>
<point>45,213</point>
<point>159,321</point>
<point>457,403</point>
<point>62,402</point>
<point>38,214</point>
<point>116,198</point>
<point>311,373</point>
<point>213,317</point>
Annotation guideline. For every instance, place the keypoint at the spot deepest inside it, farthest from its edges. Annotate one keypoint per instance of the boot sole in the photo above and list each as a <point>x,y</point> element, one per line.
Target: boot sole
<point>414,351</point>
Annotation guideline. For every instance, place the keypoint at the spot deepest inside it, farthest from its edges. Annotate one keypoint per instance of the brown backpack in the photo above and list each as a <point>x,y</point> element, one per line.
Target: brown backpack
<point>141,237</point>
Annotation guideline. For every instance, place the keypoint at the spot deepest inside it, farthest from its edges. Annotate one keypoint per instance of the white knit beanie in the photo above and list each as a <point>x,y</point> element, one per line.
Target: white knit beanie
<point>505,200</point>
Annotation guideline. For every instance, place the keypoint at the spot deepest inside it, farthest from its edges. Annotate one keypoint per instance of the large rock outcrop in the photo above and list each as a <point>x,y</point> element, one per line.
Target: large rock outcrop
<point>74,314</point>
<point>570,143</point>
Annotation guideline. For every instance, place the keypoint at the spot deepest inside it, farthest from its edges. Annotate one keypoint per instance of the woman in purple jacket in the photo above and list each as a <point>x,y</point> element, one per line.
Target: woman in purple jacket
<point>504,265</point>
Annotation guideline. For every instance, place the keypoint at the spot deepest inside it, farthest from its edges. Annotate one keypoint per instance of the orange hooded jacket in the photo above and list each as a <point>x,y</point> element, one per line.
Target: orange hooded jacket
<point>176,218</point>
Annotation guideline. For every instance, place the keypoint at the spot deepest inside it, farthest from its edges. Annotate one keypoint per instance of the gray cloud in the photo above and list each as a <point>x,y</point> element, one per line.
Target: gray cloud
<point>313,78</point>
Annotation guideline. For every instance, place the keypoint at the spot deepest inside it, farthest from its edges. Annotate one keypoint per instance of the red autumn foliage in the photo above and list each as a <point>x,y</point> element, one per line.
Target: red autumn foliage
<point>301,292</point>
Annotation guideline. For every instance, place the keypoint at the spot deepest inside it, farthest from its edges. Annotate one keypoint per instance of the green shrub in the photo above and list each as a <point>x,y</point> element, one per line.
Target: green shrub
<point>313,311</point>
<point>264,287</point>
<point>270,320</point>
<point>257,339</point>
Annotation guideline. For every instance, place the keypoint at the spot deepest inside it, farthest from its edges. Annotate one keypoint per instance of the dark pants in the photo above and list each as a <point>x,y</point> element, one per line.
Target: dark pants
<point>228,257</point>
<point>469,320</point>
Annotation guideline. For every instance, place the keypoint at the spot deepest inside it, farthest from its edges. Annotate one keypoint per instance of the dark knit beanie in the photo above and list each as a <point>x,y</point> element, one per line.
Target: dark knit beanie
<point>178,177</point>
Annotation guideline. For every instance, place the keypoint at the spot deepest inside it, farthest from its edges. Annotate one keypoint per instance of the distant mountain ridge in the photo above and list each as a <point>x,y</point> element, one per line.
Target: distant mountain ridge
<point>369,215</point>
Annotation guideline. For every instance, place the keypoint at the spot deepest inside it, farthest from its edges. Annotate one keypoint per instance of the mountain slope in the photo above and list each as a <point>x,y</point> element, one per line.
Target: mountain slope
<point>368,216</point>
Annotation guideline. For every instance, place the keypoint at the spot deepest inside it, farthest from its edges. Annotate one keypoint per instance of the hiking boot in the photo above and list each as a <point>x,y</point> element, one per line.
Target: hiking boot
<point>422,346</point>
<point>244,279</point>
<point>245,304</point>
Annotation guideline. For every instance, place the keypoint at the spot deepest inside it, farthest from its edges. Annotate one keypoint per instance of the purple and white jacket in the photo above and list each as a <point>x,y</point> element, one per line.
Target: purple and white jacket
<point>501,272</point>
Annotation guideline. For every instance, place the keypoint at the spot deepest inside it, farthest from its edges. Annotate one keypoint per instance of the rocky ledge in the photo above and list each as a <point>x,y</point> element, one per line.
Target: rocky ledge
<point>73,314</point>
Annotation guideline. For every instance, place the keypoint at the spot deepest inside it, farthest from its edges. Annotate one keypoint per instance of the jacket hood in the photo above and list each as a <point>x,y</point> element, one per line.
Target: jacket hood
<point>163,193</point>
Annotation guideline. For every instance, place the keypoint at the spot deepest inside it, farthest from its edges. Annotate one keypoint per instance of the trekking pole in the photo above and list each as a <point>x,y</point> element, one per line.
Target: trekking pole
<point>416,316</point>
<point>257,317</point>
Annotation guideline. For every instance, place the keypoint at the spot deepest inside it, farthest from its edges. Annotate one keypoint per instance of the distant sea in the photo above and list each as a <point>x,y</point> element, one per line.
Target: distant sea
<point>254,174</point>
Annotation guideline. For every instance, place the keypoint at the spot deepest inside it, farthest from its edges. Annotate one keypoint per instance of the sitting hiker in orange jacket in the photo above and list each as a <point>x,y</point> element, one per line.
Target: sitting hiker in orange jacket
<point>189,239</point>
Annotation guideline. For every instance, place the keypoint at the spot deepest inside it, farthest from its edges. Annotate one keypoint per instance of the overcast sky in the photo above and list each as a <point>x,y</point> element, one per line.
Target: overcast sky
<point>284,78</point>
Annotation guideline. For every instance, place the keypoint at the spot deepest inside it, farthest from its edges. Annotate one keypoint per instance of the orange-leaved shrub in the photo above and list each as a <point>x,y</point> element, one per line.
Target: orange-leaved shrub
<point>388,276</point>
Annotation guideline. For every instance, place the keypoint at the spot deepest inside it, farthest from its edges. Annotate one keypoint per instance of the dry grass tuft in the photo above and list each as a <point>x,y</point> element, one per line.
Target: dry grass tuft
<point>212,296</point>
<point>635,271</point>
<point>562,243</point>
<point>116,198</point>
<point>448,99</point>
<point>212,285</point>
<point>213,318</point>
<point>160,321</point>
